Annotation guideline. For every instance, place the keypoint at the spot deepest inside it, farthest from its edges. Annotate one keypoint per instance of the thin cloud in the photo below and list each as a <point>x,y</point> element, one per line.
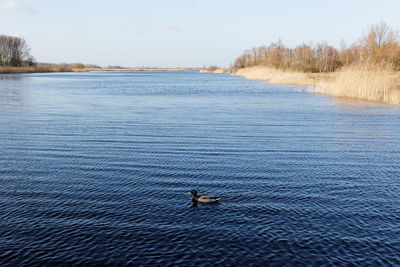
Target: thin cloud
<point>142,27</point>
<point>193,3</point>
<point>12,5</point>
<point>170,29</point>
<point>8,5</point>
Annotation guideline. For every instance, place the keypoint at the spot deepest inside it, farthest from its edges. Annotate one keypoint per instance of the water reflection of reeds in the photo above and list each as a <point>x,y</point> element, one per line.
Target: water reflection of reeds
<point>10,77</point>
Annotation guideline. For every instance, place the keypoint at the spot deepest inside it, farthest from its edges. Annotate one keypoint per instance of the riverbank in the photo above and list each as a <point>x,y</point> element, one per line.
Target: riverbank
<point>377,83</point>
<point>136,69</point>
<point>40,69</point>
<point>276,76</point>
<point>218,70</point>
<point>44,69</point>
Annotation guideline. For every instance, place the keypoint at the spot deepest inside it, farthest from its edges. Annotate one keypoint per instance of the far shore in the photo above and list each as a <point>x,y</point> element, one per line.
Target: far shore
<point>136,69</point>
<point>41,69</point>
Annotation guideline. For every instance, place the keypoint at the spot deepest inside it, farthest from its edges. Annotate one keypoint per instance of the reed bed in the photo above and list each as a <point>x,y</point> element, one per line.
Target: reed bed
<point>17,70</point>
<point>39,69</point>
<point>218,70</point>
<point>277,76</point>
<point>370,82</point>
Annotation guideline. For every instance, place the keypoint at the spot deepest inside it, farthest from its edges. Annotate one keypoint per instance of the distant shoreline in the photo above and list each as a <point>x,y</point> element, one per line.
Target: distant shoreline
<point>22,70</point>
<point>138,69</point>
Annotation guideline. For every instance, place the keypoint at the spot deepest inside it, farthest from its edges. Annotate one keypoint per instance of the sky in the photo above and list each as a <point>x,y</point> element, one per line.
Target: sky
<point>183,33</point>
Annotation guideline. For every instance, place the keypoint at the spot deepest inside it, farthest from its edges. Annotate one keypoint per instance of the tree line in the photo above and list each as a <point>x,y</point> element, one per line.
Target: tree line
<point>14,52</point>
<point>379,45</point>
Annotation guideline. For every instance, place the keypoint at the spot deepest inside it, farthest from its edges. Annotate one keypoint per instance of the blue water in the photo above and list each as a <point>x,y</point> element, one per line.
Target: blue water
<point>95,169</point>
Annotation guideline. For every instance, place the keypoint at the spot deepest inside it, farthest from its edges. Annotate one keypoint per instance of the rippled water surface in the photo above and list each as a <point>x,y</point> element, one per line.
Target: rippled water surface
<point>95,169</point>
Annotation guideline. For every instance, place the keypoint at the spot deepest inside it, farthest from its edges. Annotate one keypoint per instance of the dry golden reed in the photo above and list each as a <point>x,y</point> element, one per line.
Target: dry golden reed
<point>370,82</point>
<point>276,76</point>
<point>12,70</point>
<point>39,69</point>
<point>217,70</point>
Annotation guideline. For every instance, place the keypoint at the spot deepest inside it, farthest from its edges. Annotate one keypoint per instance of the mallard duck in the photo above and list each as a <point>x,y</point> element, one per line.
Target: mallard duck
<point>203,198</point>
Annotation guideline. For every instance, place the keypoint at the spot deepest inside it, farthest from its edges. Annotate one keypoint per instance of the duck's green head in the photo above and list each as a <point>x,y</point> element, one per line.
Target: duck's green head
<point>193,192</point>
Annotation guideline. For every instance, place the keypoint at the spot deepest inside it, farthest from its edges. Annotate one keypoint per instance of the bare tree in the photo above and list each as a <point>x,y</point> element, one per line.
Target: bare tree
<point>380,44</point>
<point>14,51</point>
<point>327,57</point>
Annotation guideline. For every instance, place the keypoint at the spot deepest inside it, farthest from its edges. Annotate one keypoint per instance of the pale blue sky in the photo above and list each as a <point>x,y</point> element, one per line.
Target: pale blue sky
<point>182,32</point>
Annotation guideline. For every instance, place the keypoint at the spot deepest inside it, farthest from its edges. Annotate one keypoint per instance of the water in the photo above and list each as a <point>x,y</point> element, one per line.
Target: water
<point>95,169</point>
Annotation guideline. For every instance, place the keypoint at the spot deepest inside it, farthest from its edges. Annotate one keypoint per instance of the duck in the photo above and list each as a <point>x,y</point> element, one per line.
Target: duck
<point>203,198</point>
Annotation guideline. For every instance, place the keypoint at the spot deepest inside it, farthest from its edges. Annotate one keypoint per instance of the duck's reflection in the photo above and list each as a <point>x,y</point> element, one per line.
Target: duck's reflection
<point>195,204</point>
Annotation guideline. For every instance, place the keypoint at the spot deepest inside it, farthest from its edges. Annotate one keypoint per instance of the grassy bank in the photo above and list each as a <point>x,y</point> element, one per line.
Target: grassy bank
<point>370,82</point>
